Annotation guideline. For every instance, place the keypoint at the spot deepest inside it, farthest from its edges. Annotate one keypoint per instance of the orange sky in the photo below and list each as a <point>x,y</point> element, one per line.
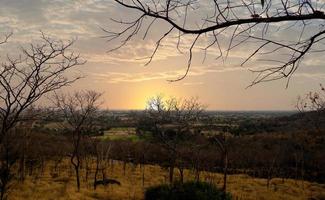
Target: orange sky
<point>127,83</point>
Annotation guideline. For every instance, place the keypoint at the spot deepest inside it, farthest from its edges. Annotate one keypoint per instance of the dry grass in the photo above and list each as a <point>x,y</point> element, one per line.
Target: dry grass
<point>240,186</point>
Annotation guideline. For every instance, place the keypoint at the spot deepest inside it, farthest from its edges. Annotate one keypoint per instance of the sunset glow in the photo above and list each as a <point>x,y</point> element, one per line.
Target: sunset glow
<point>123,76</point>
<point>162,99</point>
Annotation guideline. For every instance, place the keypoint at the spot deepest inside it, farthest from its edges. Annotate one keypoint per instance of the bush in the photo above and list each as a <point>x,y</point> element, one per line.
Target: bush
<point>186,191</point>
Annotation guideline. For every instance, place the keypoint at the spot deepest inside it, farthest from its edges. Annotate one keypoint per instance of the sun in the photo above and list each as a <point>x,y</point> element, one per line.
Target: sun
<point>134,96</point>
<point>144,92</point>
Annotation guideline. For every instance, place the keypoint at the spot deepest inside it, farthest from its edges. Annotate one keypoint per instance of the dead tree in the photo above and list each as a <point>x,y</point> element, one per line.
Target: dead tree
<point>37,71</point>
<point>253,25</point>
<point>79,111</point>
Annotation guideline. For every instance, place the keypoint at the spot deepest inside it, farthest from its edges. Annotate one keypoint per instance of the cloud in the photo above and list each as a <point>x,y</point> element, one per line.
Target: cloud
<point>127,77</point>
<point>315,76</point>
<point>64,19</point>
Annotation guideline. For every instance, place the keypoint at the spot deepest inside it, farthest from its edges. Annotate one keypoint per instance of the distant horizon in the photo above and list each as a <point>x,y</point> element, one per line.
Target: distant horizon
<point>213,110</point>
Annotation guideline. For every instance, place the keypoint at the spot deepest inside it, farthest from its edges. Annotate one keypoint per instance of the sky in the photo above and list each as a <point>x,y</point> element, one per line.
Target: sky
<point>125,80</point>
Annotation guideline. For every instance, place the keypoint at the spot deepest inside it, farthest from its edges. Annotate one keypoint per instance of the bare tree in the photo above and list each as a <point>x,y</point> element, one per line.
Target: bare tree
<point>38,70</point>
<point>173,123</point>
<point>79,110</point>
<point>254,24</point>
<point>313,106</point>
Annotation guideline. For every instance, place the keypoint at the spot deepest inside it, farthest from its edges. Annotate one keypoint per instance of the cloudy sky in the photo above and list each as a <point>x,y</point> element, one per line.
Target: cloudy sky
<point>122,75</point>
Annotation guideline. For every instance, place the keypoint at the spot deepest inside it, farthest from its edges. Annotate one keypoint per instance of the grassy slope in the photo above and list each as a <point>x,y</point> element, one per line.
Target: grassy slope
<point>240,186</point>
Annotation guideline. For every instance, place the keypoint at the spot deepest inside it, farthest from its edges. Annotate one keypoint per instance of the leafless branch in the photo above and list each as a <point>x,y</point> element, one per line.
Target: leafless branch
<point>244,21</point>
<point>40,69</point>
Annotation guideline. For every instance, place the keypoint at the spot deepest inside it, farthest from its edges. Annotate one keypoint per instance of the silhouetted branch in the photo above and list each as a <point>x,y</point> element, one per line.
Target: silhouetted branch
<point>6,37</point>
<point>245,19</point>
<point>40,69</point>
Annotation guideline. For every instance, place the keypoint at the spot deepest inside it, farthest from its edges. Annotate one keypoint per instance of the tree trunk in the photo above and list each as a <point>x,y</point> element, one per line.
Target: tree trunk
<point>22,167</point>
<point>76,168</point>
<point>171,173</point>
<point>96,172</point>
<point>124,167</point>
<point>103,173</point>
<point>78,177</point>
<point>181,172</point>
<point>225,173</point>
<point>197,174</point>
<point>143,169</point>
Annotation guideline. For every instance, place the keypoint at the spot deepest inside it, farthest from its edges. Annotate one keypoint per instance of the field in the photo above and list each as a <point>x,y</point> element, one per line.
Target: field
<point>120,133</point>
<point>267,159</point>
<point>63,186</point>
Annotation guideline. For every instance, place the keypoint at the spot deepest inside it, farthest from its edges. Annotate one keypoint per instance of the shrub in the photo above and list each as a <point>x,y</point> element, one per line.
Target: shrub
<point>186,191</point>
